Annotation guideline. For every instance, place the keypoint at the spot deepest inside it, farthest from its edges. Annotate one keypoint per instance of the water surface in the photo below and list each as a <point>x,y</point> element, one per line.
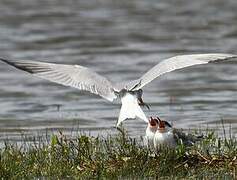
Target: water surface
<point>121,41</point>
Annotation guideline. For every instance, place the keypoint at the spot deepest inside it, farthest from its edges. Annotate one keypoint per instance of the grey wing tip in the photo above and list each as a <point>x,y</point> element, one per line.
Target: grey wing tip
<point>17,65</point>
<point>229,57</point>
<point>5,60</point>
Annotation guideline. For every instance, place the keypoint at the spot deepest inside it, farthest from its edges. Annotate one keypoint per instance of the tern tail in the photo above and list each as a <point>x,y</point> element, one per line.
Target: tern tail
<point>130,109</point>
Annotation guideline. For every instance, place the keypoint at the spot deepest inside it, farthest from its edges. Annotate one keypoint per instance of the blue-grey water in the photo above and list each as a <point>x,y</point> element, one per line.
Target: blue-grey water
<point>120,40</point>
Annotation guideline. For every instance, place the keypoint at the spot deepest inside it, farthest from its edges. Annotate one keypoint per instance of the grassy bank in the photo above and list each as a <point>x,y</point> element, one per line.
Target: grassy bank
<point>118,157</point>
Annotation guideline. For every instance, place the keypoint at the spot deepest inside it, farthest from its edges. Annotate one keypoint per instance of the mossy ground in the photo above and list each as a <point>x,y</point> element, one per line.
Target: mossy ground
<point>118,157</point>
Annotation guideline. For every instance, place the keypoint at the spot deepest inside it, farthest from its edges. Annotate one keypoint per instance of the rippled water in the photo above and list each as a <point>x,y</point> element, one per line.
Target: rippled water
<point>120,40</point>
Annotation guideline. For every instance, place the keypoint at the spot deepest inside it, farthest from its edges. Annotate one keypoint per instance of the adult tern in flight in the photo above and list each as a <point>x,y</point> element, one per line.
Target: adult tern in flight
<point>130,93</point>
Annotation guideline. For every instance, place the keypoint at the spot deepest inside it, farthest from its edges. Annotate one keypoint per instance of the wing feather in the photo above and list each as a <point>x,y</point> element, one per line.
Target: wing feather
<point>75,76</point>
<point>172,64</point>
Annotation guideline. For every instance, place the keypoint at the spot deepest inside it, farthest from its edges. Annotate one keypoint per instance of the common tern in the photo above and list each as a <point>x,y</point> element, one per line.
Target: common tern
<point>130,93</point>
<point>160,133</point>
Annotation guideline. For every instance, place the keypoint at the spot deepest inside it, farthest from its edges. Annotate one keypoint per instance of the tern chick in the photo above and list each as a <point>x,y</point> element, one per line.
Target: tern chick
<point>150,131</point>
<point>160,133</point>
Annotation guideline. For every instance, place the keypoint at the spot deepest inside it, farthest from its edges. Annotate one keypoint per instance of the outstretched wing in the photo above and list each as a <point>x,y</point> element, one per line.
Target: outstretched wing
<point>174,63</point>
<point>75,76</point>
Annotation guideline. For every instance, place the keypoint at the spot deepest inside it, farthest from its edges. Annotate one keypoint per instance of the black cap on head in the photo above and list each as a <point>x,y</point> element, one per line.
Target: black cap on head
<point>167,124</point>
<point>163,124</point>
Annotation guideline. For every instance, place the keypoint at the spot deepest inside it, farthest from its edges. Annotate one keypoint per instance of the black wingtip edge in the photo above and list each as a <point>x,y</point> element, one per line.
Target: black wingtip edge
<point>4,60</point>
<point>17,65</point>
<point>8,62</point>
<point>224,59</point>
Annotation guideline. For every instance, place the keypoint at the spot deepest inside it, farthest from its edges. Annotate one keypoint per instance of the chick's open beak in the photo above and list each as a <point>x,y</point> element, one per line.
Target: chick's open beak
<point>153,122</point>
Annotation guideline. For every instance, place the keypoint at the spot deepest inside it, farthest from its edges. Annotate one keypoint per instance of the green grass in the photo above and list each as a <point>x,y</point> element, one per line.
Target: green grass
<point>118,157</point>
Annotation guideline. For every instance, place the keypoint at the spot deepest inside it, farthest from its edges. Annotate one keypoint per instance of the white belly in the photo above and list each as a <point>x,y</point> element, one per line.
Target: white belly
<point>164,139</point>
<point>130,109</point>
<point>149,138</point>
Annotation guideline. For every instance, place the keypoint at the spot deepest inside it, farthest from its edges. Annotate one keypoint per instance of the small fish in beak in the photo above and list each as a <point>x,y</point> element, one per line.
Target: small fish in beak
<point>140,100</point>
<point>141,103</point>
